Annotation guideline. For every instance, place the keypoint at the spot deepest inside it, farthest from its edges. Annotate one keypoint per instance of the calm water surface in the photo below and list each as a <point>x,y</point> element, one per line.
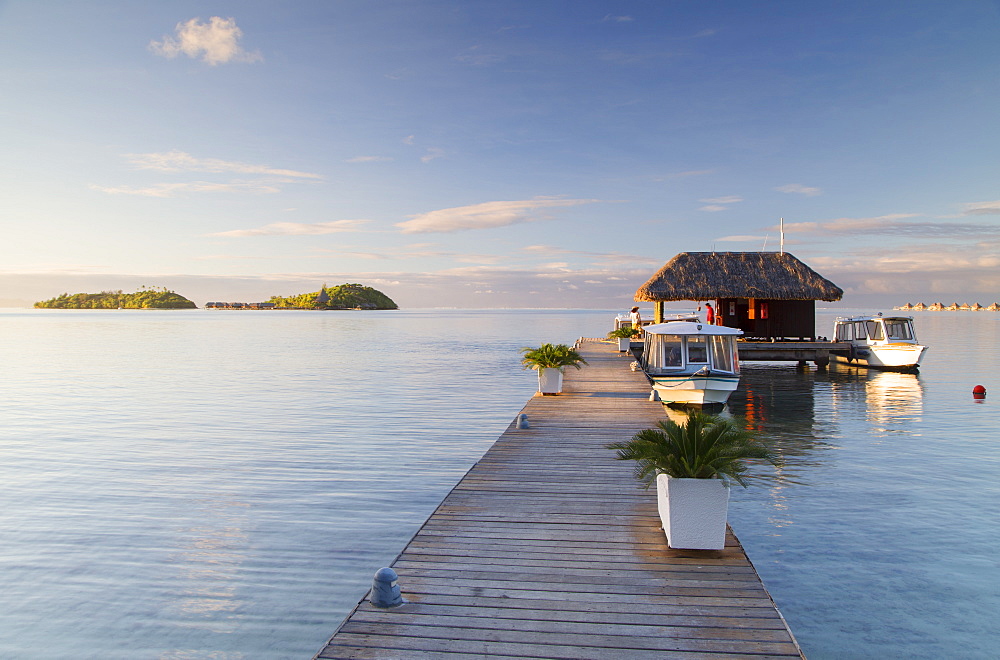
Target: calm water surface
<point>194,484</point>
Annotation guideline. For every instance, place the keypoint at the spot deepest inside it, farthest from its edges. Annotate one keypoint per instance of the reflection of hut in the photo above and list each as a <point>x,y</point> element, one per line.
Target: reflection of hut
<point>765,294</point>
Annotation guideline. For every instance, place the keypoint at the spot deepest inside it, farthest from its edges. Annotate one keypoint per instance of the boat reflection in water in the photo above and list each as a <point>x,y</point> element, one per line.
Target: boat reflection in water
<point>889,399</point>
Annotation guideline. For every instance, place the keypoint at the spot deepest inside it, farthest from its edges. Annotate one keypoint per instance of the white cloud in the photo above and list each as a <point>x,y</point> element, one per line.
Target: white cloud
<point>982,208</point>
<point>544,250</point>
<point>476,58</point>
<point>180,161</point>
<point>716,204</point>
<point>484,216</point>
<point>602,258</point>
<point>617,19</point>
<point>215,42</point>
<point>893,224</point>
<point>171,189</point>
<point>297,229</point>
<point>682,175</point>
<point>799,189</point>
<point>740,239</point>
<point>368,159</point>
<point>432,153</point>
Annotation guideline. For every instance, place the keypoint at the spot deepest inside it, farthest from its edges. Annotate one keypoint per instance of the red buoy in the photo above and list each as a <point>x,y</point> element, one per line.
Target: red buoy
<point>978,392</point>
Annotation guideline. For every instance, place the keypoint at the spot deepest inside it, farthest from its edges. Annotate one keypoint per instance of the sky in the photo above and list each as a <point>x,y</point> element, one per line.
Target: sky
<point>476,154</point>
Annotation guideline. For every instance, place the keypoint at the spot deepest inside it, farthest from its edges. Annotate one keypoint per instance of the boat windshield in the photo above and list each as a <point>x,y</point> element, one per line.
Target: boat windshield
<point>697,350</point>
<point>875,330</point>
<point>724,354</point>
<point>899,329</point>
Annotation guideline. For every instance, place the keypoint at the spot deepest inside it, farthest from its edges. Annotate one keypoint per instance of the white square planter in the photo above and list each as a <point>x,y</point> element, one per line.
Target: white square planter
<point>624,344</point>
<point>550,380</point>
<point>693,512</point>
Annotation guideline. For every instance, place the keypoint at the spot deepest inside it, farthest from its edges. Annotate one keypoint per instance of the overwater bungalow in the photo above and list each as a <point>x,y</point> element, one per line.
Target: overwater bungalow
<point>954,307</point>
<point>919,307</point>
<point>767,295</point>
<point>936,307</point>
<point>995,307</point>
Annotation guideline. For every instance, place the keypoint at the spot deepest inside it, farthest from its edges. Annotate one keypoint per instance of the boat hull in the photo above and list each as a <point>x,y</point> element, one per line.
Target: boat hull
<point>695,390</point>
<point>890,357</point>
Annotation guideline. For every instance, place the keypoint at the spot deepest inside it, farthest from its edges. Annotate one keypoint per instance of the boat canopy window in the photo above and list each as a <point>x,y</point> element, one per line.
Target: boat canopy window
<point>900,329</point>
<point>663,352</point>
<point>875,330</point>
<point>697,350</point>
<point>724,354</point>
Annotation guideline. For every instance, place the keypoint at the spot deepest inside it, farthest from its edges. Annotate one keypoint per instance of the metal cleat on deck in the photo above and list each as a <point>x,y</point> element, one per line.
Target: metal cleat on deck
<point>385,590</point>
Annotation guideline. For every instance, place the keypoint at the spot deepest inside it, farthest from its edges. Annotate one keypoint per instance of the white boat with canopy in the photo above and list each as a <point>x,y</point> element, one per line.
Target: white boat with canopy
<point>692,363</point>
<point>881,342</point>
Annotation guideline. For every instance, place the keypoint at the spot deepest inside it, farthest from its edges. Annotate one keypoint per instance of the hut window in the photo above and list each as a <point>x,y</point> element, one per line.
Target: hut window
<point>697,350</point>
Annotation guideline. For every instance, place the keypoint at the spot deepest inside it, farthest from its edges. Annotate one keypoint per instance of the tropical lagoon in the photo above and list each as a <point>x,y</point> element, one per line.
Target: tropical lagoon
<point>190,484</point>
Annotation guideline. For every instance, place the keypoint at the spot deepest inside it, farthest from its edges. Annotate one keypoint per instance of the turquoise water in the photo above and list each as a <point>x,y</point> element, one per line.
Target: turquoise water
<point>885,549</point>
<point>196,484</point>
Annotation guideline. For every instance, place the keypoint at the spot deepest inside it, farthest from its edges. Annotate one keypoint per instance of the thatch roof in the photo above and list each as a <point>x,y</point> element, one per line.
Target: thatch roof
<point>710,275</point>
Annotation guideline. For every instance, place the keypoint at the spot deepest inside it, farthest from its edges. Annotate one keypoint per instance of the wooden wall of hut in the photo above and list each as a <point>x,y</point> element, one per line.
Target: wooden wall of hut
<point>761,318</point>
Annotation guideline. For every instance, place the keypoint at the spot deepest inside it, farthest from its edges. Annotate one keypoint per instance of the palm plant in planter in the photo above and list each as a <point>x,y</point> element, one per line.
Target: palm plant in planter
<point>624,335</point>
<point>693,465</point>
<point>549,360</point>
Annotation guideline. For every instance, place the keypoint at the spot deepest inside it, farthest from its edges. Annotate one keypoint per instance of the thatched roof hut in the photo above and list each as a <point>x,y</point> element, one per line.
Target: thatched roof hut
<point>708,275</point>
<point>768,295</point>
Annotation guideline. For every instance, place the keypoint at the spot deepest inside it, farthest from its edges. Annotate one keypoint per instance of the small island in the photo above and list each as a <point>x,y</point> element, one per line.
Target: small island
<point>344,296</point>
<point>144,298</point>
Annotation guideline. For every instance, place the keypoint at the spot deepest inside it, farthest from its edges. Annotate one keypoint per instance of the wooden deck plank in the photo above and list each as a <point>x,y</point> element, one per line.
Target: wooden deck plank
<point>548,548</point>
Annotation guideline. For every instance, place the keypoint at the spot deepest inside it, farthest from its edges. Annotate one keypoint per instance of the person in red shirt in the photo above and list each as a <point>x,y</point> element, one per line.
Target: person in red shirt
<point>709,314</point>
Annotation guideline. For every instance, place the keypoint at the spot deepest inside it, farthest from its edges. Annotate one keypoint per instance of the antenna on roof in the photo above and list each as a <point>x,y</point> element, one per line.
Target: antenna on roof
<point>764,247</point>
<point>781,227</point>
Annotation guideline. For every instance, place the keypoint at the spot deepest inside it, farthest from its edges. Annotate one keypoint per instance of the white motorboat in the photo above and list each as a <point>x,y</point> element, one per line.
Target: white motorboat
<point>690,363</point>
<point>881,342</point>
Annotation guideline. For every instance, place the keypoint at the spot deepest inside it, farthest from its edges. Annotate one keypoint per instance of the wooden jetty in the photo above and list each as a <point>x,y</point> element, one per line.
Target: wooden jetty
<point>548,548</point>
<point>818,352</point>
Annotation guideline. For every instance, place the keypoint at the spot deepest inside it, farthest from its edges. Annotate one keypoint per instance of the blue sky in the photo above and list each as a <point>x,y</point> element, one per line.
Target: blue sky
<point>495,154</point>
